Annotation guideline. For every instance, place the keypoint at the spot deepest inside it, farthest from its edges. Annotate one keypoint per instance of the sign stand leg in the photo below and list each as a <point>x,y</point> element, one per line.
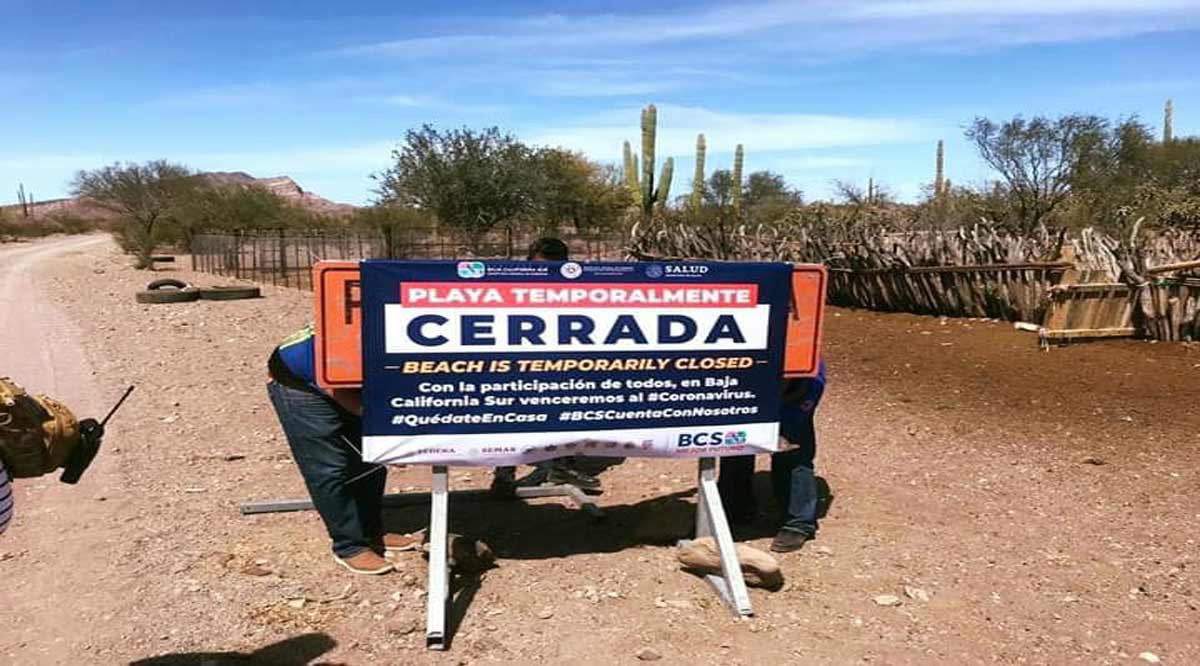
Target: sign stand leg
<point>711,522</point>
<point>438,591</point>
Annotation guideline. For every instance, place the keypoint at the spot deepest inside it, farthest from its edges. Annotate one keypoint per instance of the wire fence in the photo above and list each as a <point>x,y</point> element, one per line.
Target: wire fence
<point>286,258</point>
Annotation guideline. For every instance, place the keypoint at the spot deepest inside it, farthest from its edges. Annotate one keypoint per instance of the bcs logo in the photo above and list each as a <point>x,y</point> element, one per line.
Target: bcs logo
<point>654,271</point>
<point>471,269</point>
<point>713,438</point>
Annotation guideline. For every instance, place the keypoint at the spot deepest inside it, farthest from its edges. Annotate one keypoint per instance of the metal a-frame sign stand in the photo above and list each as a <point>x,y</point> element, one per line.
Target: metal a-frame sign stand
<point>710,521</point>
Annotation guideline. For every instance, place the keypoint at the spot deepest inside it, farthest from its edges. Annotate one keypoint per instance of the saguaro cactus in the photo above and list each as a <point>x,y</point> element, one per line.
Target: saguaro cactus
<point>24,199</point>
<point>738,157</point>
<point>649,134</point>
<point>1168,122</point>
<point>631,176</point>
<point>641,188</point>
<point>939,174</point>
<point>698,174</point>
<point>664,183</point>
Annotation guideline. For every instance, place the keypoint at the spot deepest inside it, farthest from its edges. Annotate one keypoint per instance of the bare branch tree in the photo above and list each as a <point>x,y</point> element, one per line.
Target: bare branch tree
<point>1037,158</point>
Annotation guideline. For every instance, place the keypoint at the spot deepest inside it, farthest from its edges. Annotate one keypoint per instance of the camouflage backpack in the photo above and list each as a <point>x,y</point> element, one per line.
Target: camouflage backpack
<point>37,433</point>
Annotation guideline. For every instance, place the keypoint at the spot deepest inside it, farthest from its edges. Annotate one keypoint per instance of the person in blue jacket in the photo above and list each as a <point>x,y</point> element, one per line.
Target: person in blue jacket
<point>793,481</point>
<point>324,431</point>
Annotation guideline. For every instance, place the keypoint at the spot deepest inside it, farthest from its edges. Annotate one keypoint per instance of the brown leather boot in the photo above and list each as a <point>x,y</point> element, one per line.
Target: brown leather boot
<point>394,543</point>
<point>366,562</point>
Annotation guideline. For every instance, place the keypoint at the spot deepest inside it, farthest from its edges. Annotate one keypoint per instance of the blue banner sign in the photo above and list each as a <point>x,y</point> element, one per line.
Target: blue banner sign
<point>506,362</point>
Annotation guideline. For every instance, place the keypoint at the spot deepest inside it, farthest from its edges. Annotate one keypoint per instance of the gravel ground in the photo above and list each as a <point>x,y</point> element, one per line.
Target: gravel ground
<point>1021,507</point>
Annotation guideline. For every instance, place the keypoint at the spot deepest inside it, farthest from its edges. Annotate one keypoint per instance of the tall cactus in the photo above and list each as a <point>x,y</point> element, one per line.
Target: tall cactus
<point>631,176</point>
<point>1168,122</point>
<point>641,188</point>
<point>649,134</point>
<point>23,199</point>
<point>939,174</point>
<point>738,156</point>
<point>698,175</point>
<point>664,183</point>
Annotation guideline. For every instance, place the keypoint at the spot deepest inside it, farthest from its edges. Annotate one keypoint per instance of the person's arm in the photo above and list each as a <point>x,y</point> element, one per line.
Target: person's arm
<point>349,399</point>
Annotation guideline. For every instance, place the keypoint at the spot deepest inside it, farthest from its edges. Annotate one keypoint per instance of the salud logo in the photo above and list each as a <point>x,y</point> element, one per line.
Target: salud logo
<point>571,270</point>
<point>470,269</point>
<point>654,271</point>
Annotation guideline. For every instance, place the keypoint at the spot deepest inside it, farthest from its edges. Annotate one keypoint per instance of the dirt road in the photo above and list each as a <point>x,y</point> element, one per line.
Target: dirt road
<point>1024,507</point>
<point>58,540</point>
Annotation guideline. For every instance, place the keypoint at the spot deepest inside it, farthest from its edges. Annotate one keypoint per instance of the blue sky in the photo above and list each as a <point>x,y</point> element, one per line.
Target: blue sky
<point>816,90</point>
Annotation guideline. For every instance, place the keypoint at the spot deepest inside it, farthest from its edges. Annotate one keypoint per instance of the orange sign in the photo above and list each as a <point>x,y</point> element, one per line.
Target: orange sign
<point>802,354</point>
<point>338,294</point>
<point>337,291</point>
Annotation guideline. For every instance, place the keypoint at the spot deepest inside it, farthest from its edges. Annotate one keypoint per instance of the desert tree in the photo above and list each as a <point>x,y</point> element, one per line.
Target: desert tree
<point>212,207</point>
<point>767,197</point>
<point>471,181</point>
<point>1038,159</point>
<point>144,196</point>
<point>572,191</point>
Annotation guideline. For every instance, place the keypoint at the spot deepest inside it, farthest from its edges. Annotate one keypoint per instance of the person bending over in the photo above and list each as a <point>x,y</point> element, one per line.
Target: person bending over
<point>793,480</point>
<point>324,432</point>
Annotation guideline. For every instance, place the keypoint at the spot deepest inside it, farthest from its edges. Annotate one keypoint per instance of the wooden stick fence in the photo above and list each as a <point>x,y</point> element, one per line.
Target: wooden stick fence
<point>975,271</point>
<point>968,272</point>
<point>1015,292</point>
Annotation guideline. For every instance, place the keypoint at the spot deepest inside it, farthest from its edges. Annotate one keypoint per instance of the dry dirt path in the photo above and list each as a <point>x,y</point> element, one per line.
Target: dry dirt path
<point>54,559</point>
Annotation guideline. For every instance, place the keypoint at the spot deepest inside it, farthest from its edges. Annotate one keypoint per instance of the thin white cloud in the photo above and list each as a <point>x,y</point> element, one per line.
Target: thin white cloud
<point>437,103</point>
<point>628,80</point>
<point>940,8</point>
<point>569,86</point>
<point>601,136</point>
<point>790,163</point>
<point>410,101</point>
<point>235,96</point>
<point>821,26</point>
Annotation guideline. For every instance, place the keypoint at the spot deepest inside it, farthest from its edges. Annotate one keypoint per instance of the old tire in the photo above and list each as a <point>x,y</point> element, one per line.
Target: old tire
<point>229,293</point>
<point>166,282</point>
<point>167,296</point>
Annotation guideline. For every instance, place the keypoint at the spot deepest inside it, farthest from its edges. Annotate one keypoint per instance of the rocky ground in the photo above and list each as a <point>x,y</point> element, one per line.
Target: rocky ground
<point>1017,506</point>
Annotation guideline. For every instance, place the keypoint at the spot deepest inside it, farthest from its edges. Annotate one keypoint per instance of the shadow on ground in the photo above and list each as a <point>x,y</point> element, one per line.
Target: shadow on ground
<point>296,651</point>
<point>549,528</point>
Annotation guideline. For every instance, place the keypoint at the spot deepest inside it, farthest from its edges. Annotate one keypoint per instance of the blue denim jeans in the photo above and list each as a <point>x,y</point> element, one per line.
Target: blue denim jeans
<point>793,480</point>
<point>324,438</point>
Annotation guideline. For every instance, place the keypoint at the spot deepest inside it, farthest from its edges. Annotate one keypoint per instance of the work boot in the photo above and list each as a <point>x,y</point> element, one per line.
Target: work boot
<point>367,562</point>
<point>789,540</point>
<point>565,476</point>
<point>394,543</point>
